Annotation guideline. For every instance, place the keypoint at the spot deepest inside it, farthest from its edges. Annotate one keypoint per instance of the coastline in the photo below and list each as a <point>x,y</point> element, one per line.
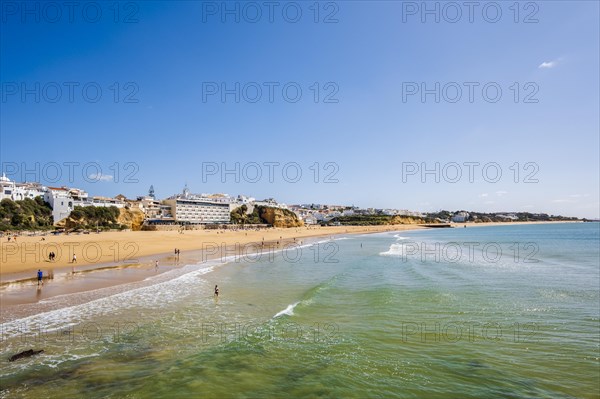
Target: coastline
<point>21,297</point>
<point>22,259</point>
<point>17,274</point>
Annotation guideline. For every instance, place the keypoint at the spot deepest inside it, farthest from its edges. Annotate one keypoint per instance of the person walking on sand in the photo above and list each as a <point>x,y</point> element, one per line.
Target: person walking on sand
<point>40,277</point>
<point>74,259</point>
<point>216,291</point>
<point>156,265</point>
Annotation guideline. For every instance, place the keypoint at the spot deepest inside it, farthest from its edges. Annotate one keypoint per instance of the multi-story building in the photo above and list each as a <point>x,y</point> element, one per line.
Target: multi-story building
<point>154,210</point>
<point>102,202</point>
<point>61,201</point>
<point>192,209</point>
<point>271,202</point>
<point>19,191</point>
<point>310,220</point>
<point>195,211</point>
<point>460,217</point>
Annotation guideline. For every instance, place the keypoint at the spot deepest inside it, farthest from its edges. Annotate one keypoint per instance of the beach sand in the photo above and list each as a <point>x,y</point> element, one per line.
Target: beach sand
<point>110,259</point>
<point>21,259</point>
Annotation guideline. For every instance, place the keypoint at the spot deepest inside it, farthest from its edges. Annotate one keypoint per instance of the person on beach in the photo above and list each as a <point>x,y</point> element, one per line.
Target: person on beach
<point>40,277</point>
<point>216,291</point>
<point>74,259</point>
<point>156,265</point>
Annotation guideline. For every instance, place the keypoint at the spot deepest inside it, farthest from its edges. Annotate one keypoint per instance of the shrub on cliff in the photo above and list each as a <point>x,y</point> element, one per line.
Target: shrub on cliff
<point>28,214</point>
<point>90,217</point>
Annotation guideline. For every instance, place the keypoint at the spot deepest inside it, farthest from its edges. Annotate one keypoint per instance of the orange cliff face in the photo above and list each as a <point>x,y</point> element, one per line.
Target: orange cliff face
<point>133,218</point>
<point>280,217</point>
<point>130,218</point>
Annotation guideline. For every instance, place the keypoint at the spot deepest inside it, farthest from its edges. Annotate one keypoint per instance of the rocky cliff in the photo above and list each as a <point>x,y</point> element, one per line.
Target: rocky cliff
<point>132,218</point>
<point>408,220</point>
<point>119,218</point>
<point>279,217</point>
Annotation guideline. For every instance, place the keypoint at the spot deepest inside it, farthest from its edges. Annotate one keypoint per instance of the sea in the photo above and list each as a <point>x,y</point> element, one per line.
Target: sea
<point>478,312</point>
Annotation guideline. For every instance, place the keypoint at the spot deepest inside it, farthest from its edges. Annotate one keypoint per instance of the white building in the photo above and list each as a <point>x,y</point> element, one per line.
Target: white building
<point>197,211</point>
<point>19,191</point>
<point>509,216</point>
<point>153,209</point>
<point>193,209</point>
<point>61,201</point>
<point>271,203</point>
<point>102,202</point>
<point>460,217</point>
<point>310,220</point>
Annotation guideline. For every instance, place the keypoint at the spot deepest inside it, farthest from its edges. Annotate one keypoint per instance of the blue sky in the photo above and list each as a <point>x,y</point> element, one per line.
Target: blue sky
<point>157,123</point>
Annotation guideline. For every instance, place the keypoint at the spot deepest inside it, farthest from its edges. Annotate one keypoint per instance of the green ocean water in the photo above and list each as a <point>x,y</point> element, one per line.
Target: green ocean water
<point>486,312</point>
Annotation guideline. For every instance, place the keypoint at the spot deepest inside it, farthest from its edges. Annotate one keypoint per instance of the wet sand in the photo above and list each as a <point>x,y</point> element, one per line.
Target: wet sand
<point>118,258</point>
<point>21,296</point>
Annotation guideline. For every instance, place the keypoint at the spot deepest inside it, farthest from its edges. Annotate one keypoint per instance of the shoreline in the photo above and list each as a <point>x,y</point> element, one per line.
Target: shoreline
<point>16,289</point>
<point>20,261</point>
<point>21,297</point>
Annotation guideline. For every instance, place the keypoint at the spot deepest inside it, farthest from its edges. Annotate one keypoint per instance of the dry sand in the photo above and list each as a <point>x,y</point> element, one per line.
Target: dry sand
<point>21,259</point>
<point>115,258</point>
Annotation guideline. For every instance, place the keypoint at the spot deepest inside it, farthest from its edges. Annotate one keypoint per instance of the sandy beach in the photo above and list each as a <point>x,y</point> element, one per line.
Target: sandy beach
<point>109,259</point>
<point>21,259</point>
<point>115,259</point>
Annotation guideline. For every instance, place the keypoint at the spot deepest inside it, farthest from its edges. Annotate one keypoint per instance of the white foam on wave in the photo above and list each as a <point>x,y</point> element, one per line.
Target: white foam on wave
<point>395,250</point>
<point>147,296</point>
<point>399,237</point>
<point>310,244</point>
<point>289,311</point>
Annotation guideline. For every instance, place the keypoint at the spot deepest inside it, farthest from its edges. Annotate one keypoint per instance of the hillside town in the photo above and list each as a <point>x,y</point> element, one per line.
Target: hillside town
<point>187,208</point>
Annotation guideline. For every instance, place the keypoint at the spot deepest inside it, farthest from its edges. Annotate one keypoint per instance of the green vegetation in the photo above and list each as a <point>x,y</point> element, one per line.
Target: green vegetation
<point>377,220</point>
<point>239,216</point>
<point>362,220</point>
<point>90,217</point>
<point>28,214</point>
<point>479,217</point>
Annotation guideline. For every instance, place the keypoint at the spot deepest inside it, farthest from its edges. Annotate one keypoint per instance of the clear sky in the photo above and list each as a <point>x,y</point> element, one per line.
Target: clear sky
<point>125,95</point>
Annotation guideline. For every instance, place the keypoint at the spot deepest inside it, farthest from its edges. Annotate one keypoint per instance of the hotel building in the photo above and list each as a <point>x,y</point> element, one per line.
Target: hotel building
<point>190,209</point>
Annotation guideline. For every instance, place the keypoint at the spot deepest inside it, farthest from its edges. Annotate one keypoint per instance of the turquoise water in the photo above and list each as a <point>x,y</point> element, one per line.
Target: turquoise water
<point>507,312</point>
